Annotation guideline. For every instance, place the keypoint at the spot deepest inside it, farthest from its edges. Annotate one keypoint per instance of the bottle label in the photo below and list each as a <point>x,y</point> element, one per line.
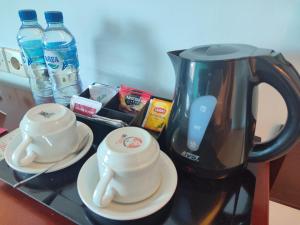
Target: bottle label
<point>34,63</point>
<point>32,52</point>
<point>60,60</point>
<point>53,60</point>
<point>62,66</point>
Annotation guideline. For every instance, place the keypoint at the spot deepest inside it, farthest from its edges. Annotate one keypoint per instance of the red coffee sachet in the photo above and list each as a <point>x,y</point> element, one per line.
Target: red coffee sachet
<point>132,100</point>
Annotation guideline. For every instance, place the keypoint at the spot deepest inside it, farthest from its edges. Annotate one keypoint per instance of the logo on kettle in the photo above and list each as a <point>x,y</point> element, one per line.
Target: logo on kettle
<point>190,156</point>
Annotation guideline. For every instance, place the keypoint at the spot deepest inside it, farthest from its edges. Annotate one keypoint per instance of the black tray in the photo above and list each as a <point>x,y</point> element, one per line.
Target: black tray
<point>227,201</point>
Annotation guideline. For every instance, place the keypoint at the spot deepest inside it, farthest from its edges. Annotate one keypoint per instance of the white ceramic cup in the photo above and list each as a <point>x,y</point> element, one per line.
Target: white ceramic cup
<point>128,164</point>
<point>49,133</point>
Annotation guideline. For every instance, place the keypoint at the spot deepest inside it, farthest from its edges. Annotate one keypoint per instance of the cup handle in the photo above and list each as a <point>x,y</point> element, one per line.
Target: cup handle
<point>30,155</point>
<point>102,196</point>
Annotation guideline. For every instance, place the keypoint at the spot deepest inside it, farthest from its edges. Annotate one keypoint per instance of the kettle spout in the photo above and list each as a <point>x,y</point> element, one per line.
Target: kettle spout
<point>176,60</point>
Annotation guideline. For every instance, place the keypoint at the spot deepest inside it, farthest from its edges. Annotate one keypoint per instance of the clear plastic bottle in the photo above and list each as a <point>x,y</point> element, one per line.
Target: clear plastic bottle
<point>61,57</point>
<point>30,40</point>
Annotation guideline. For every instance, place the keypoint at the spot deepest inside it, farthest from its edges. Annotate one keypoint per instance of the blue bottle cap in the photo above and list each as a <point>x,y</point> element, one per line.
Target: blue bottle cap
<point>27,14</point>
<point>54,16</point>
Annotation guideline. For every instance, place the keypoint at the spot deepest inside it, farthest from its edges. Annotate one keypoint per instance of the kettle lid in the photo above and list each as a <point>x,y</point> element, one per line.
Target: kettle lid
<point>218,52</point>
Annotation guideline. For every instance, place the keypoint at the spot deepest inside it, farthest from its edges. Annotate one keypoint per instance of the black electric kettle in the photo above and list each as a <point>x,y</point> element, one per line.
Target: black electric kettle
<point>212,123</point>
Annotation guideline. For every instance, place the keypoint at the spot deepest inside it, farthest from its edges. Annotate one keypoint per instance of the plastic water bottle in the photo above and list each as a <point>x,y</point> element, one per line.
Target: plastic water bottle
<point>30,40</point>
<point>61,58</point>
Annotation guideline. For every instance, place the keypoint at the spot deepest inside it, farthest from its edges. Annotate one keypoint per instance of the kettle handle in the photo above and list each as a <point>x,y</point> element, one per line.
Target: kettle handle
<point>280,74</point>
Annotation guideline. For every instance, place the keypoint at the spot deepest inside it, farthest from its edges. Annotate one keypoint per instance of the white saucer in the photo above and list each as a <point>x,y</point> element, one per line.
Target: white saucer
<point>88,178</point>
<point>35,167</point>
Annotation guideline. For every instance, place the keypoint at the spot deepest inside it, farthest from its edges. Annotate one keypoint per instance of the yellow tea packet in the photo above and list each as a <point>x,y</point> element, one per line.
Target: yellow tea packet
<point>157,114</point>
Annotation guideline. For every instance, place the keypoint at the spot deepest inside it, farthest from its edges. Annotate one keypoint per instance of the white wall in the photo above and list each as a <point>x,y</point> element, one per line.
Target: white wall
<point>126,41</point>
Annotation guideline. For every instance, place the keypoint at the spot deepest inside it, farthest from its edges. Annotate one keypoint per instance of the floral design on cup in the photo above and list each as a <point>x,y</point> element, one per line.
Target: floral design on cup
<point>129,141</point>
<point>132,142</point>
